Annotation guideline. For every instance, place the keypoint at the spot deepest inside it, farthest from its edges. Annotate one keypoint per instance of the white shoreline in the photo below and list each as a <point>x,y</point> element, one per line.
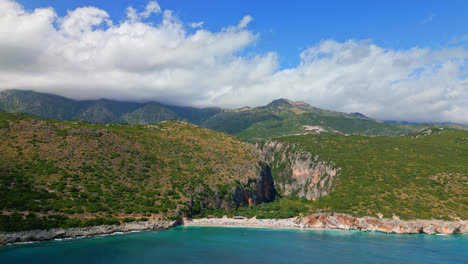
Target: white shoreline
<point>289,223</point>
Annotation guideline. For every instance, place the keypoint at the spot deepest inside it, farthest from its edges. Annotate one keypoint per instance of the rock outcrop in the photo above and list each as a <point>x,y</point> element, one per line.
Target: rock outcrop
<point>259,190</point>
<point>297,172</point>
<point>58,233</point>
<point>256,187</point>
<point>370,224</point>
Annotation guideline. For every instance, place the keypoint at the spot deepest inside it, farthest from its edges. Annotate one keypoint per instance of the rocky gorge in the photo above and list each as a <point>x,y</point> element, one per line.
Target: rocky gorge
<point>298,173</point>
<point>258,190</point>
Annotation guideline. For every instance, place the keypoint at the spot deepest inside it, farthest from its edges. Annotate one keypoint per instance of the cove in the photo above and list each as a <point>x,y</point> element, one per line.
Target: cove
<point>243,245</point>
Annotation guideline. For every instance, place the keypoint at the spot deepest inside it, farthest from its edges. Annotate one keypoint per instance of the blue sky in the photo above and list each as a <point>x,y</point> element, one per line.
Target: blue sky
<point>390,60</point>
<point>289,27</point>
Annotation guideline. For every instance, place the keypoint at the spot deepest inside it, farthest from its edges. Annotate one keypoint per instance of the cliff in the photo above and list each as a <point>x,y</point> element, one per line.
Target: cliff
<point>371,224</point>
<point>258,190</point>
<point>297,172</point>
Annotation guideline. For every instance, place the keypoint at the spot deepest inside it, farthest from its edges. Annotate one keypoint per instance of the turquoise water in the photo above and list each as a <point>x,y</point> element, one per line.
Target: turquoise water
<point>244,245</point>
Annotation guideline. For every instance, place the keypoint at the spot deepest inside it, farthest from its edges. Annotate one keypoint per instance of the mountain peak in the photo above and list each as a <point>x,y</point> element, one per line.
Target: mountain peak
<point>357,114</point>
<point>281,101</point>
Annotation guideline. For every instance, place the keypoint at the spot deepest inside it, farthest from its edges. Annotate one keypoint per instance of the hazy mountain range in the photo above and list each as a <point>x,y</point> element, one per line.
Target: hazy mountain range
<point>279,118</point>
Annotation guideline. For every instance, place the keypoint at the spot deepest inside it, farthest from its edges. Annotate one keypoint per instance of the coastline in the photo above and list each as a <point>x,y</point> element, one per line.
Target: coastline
<point>343,222</point>
<point>389,226</point>
<point>312,222</point>
<point>249,223</point>
<point>7,238</point>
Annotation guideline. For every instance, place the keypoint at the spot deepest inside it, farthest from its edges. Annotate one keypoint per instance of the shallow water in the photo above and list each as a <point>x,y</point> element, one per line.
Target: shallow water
<point>244,245</point>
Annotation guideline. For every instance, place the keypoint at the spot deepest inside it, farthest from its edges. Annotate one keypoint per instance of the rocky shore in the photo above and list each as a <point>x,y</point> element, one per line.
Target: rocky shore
<point>344,222</point>
<point>58,233</point>
<point>371,224</point>
<point>314,221</point>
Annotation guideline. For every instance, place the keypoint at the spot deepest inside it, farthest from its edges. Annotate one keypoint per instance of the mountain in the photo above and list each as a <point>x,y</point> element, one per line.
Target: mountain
<point>80,171</point>
<point>281,117</point>
<point>98,111</point>
<point>357,114</point>
<point>440,124</point>
<point>195,115</point>
<point>39,104</point>
<point>284,117</point>
<point>104,111</point>
<point>150,113</point>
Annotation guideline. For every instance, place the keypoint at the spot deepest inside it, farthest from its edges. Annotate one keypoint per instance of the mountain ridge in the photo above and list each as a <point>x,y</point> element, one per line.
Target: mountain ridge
<point>280,117</point>
<point>96,111</point>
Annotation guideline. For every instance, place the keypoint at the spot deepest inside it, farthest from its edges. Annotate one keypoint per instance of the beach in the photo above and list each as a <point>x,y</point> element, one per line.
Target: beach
<point>246,222</point>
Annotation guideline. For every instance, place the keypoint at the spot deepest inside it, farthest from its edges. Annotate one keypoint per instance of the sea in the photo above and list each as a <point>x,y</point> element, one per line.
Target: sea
<point>243,245</point>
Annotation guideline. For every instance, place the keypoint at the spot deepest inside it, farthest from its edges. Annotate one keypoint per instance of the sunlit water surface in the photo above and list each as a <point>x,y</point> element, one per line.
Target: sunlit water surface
<point>243,245</point>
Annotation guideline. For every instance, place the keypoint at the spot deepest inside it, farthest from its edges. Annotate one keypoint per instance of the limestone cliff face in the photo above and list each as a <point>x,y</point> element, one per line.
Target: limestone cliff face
<point>371,224</point>
<point>297,172</point>
<point>258,190</point>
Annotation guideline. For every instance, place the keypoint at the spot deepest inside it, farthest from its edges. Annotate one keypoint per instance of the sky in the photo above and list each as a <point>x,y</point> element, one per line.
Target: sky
<point>390,60</point>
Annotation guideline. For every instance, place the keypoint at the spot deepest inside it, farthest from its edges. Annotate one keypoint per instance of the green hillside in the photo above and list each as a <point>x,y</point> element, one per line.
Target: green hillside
<point>422,175</point>
<point>43,105</point>
<point>283,117</point>
<point>102,111</point>
<point>150,113</point>
<point>98,111</point>
<point>75,171</point>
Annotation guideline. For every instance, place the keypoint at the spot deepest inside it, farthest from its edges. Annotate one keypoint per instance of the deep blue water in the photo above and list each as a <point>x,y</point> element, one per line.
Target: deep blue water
<point>244,245</point>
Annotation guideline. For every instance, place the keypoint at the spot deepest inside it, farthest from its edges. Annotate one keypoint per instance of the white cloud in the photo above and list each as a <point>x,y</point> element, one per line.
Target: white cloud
<point>87,55</point>
<point>244,22</point>
<point>197,24</point>
<point>416,84</point>
<point>151,8</point>
<point>82,20</point>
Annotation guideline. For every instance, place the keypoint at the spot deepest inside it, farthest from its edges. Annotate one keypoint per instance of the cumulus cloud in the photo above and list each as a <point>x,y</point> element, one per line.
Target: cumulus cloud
<point>82,20</point>
<point>416,84</point>
<point>152,7</point>
<point>87,55</point>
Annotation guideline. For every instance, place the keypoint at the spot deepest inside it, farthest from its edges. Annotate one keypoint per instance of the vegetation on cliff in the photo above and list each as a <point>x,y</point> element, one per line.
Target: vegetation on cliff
<point>422,175</point>
<point>73,173</point>
<point>82,170</point>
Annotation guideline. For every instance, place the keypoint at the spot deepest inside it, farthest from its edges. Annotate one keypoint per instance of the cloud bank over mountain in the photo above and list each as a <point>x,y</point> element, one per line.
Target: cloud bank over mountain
<point>152,55</point>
